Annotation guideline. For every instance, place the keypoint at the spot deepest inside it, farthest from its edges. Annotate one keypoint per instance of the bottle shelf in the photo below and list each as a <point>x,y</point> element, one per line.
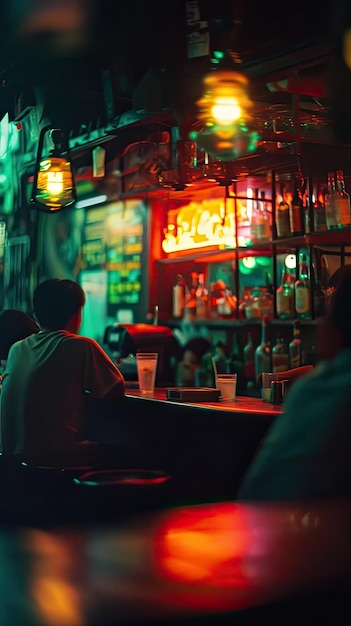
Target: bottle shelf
<point>339,237</point>
<point>242,323</point>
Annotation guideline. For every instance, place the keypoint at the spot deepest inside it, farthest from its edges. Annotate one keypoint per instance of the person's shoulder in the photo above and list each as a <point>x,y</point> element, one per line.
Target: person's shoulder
<point>84,341</point>
<point>315,385</point>
<point>86,344</point>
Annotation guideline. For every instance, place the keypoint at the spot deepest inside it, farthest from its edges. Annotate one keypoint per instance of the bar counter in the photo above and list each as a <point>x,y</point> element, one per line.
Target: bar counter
<point>210,443</point>
<point>242,404</point>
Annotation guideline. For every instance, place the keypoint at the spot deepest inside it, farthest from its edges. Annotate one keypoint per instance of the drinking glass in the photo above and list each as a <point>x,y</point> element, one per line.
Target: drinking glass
<point>146,367</point>
<point>226,383</point>
<point>267,379</point>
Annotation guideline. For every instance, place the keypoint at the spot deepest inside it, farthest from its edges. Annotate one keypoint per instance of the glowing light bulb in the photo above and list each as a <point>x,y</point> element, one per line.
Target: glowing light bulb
<point>249,262</point>
<point>55,182</point>
<point>226,111</point>
<point>290,261</point>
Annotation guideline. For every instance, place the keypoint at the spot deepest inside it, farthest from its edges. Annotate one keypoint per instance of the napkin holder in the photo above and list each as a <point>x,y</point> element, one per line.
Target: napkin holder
<point>192,394</point>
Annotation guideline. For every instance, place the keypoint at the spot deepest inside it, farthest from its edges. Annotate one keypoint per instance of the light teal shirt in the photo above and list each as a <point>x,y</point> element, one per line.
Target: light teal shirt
<point>307,452</point>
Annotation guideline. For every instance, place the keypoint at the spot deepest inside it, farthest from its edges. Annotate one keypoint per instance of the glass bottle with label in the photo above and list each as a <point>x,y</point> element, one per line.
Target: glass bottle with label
<point>296,213</point>
<point>343,215</point>
<point>283,219</point>
<point>307,210</point>
<point>261,220</point>
<point>280,356</point>
<point>295,347</point>
<point>178,296</point>
<point>319,222</point>
<point>303,291</point>
<point>202,299</point>
<point>190,297</point>
<point>285,297</point>
<point>330,203</point>
<point>266,219</point>
<point>263,351</point>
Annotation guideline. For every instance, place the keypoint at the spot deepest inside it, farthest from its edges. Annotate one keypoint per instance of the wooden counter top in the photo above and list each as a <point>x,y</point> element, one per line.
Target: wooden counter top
<point>242,404</point>
<point>208,445</point>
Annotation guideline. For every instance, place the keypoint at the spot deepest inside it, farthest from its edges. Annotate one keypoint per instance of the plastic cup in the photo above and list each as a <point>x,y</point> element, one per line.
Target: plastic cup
<point>226,383</point>
<point>267,379</point>
<point>146,367</point>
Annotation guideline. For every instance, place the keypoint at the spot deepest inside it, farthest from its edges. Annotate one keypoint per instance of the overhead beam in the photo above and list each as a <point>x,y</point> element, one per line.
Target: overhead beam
<point>316,87</point>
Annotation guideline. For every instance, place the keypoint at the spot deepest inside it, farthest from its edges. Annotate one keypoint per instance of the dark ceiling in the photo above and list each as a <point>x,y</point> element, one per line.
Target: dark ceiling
<point>71,55</point>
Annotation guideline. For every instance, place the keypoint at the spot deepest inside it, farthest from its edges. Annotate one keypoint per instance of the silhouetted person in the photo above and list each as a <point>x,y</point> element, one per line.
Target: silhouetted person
<point>49,375</point>
<point>306,453</point>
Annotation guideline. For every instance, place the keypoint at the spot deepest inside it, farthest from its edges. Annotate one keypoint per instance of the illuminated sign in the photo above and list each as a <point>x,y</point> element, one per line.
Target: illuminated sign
<point>206,223</point>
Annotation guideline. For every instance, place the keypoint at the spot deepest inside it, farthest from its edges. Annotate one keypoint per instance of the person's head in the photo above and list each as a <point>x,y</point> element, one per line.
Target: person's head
<point>194,350</point>
<point>14,326</point>
<point>335,332</point>
<point>58,304</point>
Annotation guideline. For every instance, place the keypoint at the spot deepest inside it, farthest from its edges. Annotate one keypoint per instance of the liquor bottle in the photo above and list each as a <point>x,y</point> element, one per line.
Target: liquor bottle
<point>261,220</point>
<point>190,297</point>
<point>307,214</point>
<point>296,213</point>
<point>303,291</point>
<point>249,359</point>
<point>330,203</point>
<point>263,351</point>
<point>266,219</point>
<point>295,347</point>
<point>178,296</point>
<point>319,221</point>
<point>280,356</point>
<point>343,215</point>
<point>255,221</point>
<point>285,297</point>
<point>282,219</point>
<point>269,283</point>
<point>202,299</point>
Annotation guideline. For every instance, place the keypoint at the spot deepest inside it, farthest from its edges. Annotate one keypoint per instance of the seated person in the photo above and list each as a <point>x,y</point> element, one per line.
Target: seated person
<point>193,352</point>
<point>306,453</point>
<point>14,325</point>
<point>47,377</point>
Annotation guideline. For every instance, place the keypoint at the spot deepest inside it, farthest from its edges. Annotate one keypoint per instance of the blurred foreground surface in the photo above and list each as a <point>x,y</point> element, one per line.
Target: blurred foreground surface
<point>220,562</point>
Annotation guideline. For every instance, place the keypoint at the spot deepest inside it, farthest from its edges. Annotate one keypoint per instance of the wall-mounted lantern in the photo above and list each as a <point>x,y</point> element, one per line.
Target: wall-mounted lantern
<point>53,187</point>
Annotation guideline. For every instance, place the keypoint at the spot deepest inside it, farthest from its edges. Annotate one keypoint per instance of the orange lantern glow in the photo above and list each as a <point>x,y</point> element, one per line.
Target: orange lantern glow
<point>224,110</point>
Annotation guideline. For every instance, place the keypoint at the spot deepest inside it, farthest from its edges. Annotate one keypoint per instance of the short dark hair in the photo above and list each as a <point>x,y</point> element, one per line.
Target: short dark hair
<point>14,326</point>
<point>199,346</point>
<point>55,301</point>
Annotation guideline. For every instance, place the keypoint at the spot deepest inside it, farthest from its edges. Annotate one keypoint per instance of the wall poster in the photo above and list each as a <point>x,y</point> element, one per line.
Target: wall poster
<point>125,244</point>
<point>102,248</point>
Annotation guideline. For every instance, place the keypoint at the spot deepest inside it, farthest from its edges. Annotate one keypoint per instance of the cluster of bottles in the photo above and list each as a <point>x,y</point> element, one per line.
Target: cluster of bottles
<point>264,358</point>
<point>196,301</point>
<point>295,217</point>
<point>294,298</point>
<point>337,202</point>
